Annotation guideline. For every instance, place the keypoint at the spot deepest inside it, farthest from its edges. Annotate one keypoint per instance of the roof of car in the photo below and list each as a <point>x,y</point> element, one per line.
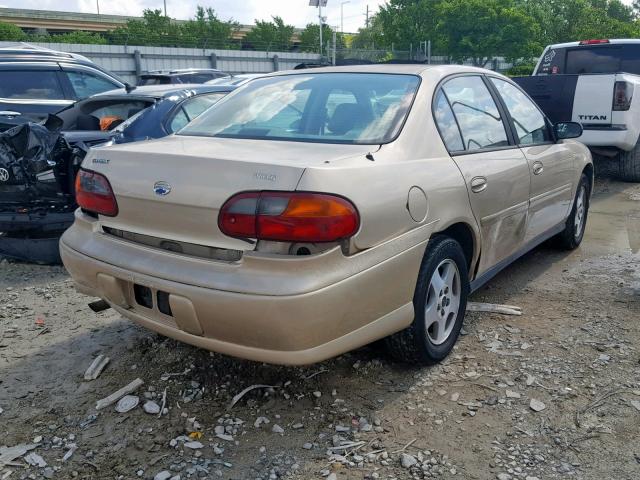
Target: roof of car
<point>33,52</point>
<point>163,91</point>
<point>182,71</point>
<point>396,68</point>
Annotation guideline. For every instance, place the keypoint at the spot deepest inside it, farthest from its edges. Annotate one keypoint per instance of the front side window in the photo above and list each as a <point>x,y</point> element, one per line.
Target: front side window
<point>447,123</point>
<point>477,114</point>
<point>30,84</point>
<point>193,108</point>
<point>531,126</point>
<point>86,84</point>
<point>328,107</point>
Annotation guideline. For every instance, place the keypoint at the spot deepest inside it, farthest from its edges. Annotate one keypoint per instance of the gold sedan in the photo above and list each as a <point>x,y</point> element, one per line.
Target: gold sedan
<point>309,213</point>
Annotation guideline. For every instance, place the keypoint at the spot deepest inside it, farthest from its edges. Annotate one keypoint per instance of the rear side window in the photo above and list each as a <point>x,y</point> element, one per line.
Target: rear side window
<point>31,84</point>
<point>447,123</point>
<point>194,78</point>
<point>86,84</point>
<point>478,117</point>
<point>530,124</point>
<point>154,81</point>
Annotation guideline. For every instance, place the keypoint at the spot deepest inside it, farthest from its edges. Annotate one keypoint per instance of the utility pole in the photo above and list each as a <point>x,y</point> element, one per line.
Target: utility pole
<point>320,17</point>
<point>165,8</point>
<point>342,4</point>
<point>367,16</point>
<point>98,5</point>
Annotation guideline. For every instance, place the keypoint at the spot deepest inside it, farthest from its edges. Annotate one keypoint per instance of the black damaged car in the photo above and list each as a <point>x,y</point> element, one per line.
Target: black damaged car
<point>39,161</point>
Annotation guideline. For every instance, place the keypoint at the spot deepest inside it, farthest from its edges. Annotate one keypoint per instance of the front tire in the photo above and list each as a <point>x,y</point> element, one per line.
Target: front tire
<point>571,237</point>
<point>440,302</point>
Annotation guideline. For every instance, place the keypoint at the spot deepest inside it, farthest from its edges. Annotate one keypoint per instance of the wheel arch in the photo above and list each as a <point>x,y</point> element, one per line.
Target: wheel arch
<point>466,236</point>
<point>589,171</point>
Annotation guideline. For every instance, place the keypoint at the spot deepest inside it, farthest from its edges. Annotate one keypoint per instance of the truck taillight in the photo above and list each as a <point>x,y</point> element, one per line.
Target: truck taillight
<point>289,217</point>
<point>94,193</point>
<point>622,96</point>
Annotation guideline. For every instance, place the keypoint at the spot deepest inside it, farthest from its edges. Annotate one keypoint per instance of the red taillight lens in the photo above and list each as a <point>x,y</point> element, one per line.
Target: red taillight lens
<point>289,217</point>
<point>622,96</point>
<point>94,194</point>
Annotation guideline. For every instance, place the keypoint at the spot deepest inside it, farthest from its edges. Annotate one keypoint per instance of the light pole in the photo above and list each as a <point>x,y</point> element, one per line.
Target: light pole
<point>319,4</point>
<point>342,15</point>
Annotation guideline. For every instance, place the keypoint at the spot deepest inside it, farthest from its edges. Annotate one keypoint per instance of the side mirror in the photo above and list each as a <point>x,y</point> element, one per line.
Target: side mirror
<point>565,130</point>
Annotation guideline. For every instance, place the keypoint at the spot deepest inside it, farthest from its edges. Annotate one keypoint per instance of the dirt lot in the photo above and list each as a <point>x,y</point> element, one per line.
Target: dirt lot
<point>575,351</point>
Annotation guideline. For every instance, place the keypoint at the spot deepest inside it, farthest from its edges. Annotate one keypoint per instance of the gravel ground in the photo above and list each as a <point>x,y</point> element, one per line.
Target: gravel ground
<point>551,394</point>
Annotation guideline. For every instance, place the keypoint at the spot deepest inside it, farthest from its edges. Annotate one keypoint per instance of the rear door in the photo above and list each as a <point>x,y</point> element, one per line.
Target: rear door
<point>551,164</point>
<point>31,90</point>
<point>495,170</point>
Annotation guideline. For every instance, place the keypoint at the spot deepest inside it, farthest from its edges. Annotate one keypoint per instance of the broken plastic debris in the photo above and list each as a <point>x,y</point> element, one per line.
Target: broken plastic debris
<point>239,396</point>
<point>96,367</point>
<point>9,454</point>
<point>493,308</point>
<point>127,403</point>
<point>115,396</point>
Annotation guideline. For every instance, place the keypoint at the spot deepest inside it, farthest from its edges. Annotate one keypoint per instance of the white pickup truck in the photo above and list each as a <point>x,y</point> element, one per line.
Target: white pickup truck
<point>592,82</point>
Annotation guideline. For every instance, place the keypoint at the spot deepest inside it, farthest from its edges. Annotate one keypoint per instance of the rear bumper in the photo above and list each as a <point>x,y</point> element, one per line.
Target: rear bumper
<point>312,316</point>
<point>610,136</point>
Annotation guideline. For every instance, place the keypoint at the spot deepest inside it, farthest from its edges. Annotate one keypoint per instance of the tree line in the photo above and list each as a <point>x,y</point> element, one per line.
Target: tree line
<point>463,30</point>
<point>205,30</point>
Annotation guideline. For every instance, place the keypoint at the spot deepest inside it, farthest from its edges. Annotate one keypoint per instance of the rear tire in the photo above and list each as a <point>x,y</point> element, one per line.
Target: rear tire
<point>440,302</point>
<point>571,237</point>
<point>629,165</point>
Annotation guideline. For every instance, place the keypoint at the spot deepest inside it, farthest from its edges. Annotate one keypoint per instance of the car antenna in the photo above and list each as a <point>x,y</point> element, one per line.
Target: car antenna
<point>128,87</point>
<point>369,156</point>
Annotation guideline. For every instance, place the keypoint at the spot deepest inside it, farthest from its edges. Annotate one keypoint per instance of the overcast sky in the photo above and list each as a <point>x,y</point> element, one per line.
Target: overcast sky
<point>294,12</point>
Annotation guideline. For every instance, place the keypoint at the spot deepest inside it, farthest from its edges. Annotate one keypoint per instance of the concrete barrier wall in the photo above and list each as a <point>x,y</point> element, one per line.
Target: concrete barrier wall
<point>128,61</point>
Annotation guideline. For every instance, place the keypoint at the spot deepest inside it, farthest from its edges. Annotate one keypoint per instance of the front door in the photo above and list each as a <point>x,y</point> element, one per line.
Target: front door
<point>496,171</point>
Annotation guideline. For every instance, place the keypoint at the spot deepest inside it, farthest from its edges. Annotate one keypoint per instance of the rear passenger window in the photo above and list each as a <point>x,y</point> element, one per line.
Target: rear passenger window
<point>527,118</point>
<point>447,123</point>
<point>477,114</point>
<point>31,84</point>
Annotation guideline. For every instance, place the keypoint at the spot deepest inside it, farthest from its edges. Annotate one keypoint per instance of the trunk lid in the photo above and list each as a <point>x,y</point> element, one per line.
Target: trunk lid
<point>173,188</point>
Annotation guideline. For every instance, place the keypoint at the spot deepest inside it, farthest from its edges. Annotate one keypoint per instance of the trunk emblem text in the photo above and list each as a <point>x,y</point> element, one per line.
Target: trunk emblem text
<point>4,175</point>
<point>266,176</point>
<point>592,117</point>
<point>103,161</point>
<point>161,188</point>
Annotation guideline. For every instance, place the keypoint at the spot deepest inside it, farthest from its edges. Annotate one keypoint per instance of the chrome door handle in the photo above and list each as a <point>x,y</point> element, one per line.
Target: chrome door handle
<point>9,113</point>
<point>538,168</point>
<point>478,184</point>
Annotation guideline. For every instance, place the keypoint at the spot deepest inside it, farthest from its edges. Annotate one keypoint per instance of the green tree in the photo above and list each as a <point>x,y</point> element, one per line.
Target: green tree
<point>370,37</point>
<point>85,38</point>
<point>310,39</point>
<point>153,29</point>
<point>478,30</point>
<point>11,33</point>
<point>206,30</point>
<point>275,35</point>
<point>407,23</point>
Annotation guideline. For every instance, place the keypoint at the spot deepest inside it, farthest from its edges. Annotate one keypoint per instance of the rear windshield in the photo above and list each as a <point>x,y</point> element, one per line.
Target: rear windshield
<point>323,107</point>
<point>610,58</point>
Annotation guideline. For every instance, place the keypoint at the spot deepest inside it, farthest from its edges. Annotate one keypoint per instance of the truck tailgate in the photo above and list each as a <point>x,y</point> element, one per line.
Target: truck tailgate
<point>554,94</point>
<point>594,99</point>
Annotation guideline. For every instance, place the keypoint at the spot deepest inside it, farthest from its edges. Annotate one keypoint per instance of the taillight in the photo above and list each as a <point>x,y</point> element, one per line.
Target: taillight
<point>94,194</point>
<point>622,96</point>
<point>597,41</point>
<point>289,217</point>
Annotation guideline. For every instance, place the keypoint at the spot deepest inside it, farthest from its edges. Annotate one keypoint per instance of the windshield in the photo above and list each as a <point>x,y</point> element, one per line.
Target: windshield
<point>323,107</point>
